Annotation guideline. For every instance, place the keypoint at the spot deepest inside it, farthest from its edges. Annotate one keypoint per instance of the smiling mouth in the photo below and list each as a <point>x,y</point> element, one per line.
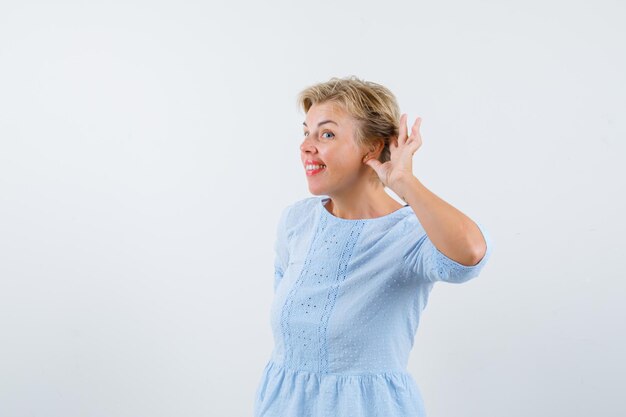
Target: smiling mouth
<point>314,169</point>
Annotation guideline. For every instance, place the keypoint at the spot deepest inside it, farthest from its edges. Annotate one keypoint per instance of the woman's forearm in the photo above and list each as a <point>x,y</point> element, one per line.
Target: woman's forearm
<point>452,232</point>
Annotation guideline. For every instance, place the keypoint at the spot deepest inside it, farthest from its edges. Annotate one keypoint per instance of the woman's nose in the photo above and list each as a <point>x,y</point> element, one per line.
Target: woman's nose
<point>307,146</point>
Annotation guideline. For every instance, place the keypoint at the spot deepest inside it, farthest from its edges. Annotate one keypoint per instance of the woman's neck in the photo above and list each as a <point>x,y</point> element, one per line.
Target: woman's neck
<point>365,205</point>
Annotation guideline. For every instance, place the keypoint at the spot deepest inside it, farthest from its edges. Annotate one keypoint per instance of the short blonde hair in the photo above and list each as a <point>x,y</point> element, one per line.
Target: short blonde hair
<point>373,106</point>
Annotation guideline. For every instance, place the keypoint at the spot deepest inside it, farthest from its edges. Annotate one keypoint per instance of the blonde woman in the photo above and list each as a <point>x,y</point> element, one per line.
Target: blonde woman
<point>353,267</point>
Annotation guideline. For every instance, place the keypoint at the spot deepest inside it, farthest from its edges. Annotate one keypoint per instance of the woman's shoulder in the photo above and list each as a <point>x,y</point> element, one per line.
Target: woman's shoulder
<point>304,204</point>
<point>301,209</point>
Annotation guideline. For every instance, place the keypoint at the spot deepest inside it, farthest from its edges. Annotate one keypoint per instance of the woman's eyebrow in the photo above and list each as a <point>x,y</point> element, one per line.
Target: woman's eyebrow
<point>321,123</point>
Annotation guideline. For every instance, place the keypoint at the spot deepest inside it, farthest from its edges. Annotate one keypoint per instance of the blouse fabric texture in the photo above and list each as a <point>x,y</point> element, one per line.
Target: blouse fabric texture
<point>348,295</point>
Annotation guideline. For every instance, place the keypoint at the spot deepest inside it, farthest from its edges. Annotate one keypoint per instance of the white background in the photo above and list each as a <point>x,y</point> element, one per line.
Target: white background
<point>147,148</point>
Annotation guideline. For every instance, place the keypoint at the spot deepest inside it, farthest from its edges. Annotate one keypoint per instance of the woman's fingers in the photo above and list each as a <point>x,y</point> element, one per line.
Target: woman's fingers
<point>415,130</point>
<point>402,132</point>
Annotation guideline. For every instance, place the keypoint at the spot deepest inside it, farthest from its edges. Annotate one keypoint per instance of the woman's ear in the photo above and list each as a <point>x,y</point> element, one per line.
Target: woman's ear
<point>374,150</point>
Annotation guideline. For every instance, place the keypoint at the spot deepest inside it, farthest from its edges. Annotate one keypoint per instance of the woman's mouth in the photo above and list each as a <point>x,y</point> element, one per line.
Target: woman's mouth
<point>312,169</point>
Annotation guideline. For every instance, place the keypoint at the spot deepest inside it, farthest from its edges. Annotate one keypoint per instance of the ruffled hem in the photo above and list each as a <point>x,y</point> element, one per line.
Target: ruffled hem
<point>287,392</point>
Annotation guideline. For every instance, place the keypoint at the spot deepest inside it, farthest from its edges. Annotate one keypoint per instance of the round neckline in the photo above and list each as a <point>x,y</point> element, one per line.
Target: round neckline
<point>323,200</point>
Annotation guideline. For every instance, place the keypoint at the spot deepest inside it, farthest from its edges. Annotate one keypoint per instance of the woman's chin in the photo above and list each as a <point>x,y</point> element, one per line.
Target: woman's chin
<point>316,190</point>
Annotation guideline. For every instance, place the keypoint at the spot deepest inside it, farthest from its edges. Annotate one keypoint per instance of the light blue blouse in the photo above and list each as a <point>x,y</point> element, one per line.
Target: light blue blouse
<point>348,295</point>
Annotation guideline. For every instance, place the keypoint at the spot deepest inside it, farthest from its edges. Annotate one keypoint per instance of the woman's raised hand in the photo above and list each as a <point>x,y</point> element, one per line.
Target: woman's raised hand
<point>402,148</point>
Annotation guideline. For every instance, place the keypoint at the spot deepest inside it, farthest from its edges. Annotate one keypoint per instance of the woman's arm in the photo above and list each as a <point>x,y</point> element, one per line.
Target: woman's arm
<point>452,232</point>
<point>440,249</point>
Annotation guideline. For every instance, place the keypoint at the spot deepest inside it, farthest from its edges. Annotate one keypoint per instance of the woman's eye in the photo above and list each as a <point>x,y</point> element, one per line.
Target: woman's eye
<point>328,133</point>
<point>306,133</point>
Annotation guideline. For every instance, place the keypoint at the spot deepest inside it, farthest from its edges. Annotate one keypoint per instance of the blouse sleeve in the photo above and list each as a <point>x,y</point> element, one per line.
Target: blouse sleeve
<point>280,248</point>
<point>427,262</point>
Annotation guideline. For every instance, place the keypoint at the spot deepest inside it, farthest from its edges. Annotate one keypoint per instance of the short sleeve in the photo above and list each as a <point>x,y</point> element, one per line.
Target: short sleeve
<point>281,257</point>
<point>427,262</point>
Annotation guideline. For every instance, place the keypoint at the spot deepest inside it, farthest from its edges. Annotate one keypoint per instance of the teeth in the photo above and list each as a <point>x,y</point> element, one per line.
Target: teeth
<point>312,167</point>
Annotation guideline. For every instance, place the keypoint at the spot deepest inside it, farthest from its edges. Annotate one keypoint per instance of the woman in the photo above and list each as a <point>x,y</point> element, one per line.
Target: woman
<point>353,270</point>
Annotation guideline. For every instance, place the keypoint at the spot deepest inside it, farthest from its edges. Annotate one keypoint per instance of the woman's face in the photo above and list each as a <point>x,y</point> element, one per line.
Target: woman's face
<point>329,139</point>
